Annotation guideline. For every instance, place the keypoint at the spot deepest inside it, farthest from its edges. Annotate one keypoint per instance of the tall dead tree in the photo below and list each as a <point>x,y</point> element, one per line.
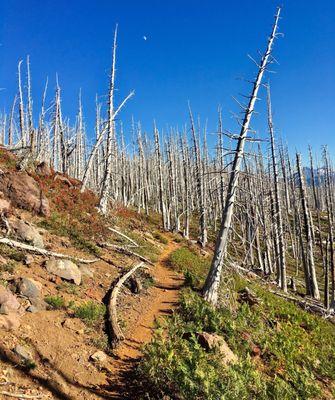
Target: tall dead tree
<point>281,273</point>
<point>106,184</point>
<point>200,185</point>
<point>312,287</point>
<point>211,287</point>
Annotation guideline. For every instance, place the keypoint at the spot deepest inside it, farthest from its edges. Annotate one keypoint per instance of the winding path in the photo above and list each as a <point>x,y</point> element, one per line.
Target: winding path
<point>162,300</point>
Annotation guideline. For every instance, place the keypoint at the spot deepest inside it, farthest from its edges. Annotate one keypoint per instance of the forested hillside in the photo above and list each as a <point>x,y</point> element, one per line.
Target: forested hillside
<point>158,267</point>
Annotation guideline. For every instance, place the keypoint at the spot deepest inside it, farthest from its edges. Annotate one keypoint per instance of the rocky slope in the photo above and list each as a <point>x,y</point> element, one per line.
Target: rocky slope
<point>54,341</point>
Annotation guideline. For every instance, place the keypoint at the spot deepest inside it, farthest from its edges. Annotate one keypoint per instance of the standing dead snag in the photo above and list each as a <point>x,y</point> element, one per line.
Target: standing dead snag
<point>281,273</point>
<point>200,183</point>
<point>211,287</point>
<point>311,281</point>
<point>106,185</point>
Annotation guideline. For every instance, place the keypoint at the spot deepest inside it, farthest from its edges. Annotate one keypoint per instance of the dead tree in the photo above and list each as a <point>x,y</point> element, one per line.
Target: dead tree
<point>200,186</point>
<point>211,287</point>
<point>312,287</point>
<point>281,273</point>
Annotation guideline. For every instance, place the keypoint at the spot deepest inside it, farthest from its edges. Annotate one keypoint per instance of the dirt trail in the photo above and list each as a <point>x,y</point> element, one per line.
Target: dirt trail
<point>162,300</point>
<point>63,368</point>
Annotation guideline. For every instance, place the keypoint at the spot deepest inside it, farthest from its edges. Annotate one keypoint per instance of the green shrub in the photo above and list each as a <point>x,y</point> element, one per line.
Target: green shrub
<point>68,287</point>
<point>62,226</point>
<point>100,342</point>
<point>56,302</point>
<point>192,265</point>
<point>296,361</point>
<point>12,253</point>
<point>90,312</point>
<point>160,238</point>
<point>8,267</point>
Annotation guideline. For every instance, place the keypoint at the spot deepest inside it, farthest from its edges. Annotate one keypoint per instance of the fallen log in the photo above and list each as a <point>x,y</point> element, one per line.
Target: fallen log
<point>128,252</point>
<point>306,304</point>
<point>115,330</point>
<point>43,252</point>
<point>124,236</point>
<point>311,305</point>
<point>21,395</point>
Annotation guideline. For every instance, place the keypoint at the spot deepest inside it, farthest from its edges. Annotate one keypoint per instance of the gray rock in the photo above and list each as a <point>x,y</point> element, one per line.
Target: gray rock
<point>27,233</point>
<point>99,356</point>
<point>33,291</point>
<point>24,353</point>
<point>65,269</point>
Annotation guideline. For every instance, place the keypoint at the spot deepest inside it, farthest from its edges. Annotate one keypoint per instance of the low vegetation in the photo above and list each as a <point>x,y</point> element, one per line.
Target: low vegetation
<point>56,302</point>
<point>91,312</point>
<point>283,351</point>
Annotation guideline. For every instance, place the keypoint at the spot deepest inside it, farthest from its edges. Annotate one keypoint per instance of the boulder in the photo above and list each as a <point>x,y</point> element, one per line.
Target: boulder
<point>27,233</point>
<point>212,341</point>
<point>8,302</point>
<point>43,169</point>
<point>24,353</point>
<point>24,192</point>
<point>10,322</point>
<point>33,291</point>
<point>99,356</point>
<point>65,269</point>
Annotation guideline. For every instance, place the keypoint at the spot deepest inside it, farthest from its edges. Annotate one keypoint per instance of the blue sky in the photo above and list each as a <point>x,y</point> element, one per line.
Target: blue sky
<point>194,51</point>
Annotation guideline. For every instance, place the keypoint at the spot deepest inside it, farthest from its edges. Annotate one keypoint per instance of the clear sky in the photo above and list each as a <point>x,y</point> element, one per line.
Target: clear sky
<point>195,50</point>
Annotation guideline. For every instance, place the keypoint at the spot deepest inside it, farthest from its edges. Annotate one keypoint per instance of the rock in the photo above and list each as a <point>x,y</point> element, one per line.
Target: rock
<point>212,341</point>
<point>10,322</point>
<point>86,271</point>
<point>99,357</point>
<point>33,291</point>
<point>43,169</point>
<point>65,269</point>
<point>8,302</point>
<point>27,233</point>
<point>24,353</point>
<point>29,259</point>
<point>24,192</point>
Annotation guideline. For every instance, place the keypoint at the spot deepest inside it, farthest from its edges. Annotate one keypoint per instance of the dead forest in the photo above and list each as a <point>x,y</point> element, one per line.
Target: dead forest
<point>271,209</point>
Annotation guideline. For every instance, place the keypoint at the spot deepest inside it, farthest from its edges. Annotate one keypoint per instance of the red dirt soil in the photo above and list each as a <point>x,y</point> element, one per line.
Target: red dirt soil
<point>63,370</point>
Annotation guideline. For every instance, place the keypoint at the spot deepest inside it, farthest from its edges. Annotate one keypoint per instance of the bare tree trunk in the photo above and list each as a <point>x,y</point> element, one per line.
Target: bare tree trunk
<point>307,222</point>
<point>278,210</point>
<point>211,287</point>
<point>106,184</point>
